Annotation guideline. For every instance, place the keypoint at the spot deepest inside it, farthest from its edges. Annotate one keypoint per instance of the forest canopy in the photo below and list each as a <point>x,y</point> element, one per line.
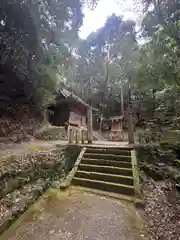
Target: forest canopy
<point>40,50</point>
<point>36,39</point>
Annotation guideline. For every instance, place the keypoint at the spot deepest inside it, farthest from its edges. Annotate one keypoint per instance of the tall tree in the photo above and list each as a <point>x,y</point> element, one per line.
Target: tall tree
<point>97,70</point>
<point>36,39</point>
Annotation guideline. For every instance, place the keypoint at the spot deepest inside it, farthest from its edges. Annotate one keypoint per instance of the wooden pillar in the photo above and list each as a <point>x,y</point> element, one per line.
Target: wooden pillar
<point>89,123</point>
<point>122,100</point>
<point>130,127</point>
<point>77,136</point>
<point>129,119</point>
<point>101,119</point>
<point>82,136</point>
<point>70,135</point>
<point>46,116</point>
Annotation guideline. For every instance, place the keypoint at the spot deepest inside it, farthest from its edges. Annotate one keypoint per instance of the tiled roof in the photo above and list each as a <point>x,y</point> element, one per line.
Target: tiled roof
<point>68,94</point>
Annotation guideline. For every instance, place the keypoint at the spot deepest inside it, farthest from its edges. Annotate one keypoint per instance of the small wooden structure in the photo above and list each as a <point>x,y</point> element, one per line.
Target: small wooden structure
<point>116,125</point>
<point>74,114</point>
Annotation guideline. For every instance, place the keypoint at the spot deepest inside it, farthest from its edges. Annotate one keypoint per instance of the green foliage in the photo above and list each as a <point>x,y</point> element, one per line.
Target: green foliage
<point>71,153</point>
<point>112,58</point>
<point>105,62</point>
<point>159,161</point>
<point>157,82</point>
<point>39,42</point>
<point>36,42</point>
<point>149,136</point>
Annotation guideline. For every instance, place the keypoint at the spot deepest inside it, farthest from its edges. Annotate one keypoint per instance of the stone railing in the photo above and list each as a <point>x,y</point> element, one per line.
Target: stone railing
<point>77,134</point>
<point>136,172</point>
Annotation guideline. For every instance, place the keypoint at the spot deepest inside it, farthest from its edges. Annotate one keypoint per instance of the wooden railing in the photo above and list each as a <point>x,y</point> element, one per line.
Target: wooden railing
<point>77,134</point>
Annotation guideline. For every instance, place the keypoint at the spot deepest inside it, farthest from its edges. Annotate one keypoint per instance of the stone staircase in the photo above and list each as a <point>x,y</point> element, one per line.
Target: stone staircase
<point>108,170</point>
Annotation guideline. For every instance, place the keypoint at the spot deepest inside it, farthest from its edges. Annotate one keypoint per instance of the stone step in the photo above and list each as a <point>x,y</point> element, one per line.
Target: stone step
<point>138,202</point>
<point>114,151</point>
<point>105,186</point>
<point>107,156</point>
<point>111,147</point>
<point>103,162</point>
<point>127,180</point>
<point>105,169</point>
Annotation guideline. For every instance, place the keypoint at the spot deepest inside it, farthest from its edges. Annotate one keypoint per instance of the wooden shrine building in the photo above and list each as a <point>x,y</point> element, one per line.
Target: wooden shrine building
<point>116,128</point>
<point>68,109</point>
<point>116,122</point>
<point>72,112</point>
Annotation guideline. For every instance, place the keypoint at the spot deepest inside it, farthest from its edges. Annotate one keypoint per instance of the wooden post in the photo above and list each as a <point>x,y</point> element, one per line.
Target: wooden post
<point>82,136</point>
<point>89,121</point>
<point>46,116</point>
<point>101,118</point>
<point>77,136</point>
<point>129,119</point>
<point>130,127</point>
<point>86,138</point>
<point>70,135</point>
<point>122,100</point>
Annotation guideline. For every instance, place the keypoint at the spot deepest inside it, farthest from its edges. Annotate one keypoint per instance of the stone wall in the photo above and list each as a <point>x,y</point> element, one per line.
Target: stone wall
<point>24,177</point>
<point>51,133</point>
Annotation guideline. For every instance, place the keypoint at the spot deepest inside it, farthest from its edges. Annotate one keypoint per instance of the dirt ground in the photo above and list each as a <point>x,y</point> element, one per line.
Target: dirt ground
<point>78,215</point>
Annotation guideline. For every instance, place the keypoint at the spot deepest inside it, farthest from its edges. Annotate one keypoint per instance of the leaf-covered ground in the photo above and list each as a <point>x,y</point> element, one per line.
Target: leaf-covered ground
<point>162,211</point>
<point>24,177</point>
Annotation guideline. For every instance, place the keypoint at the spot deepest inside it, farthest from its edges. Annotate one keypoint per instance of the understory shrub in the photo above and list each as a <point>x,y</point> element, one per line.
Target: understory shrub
<point>71,153</point>
<point>160,161</point>
<point>157,134</point>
